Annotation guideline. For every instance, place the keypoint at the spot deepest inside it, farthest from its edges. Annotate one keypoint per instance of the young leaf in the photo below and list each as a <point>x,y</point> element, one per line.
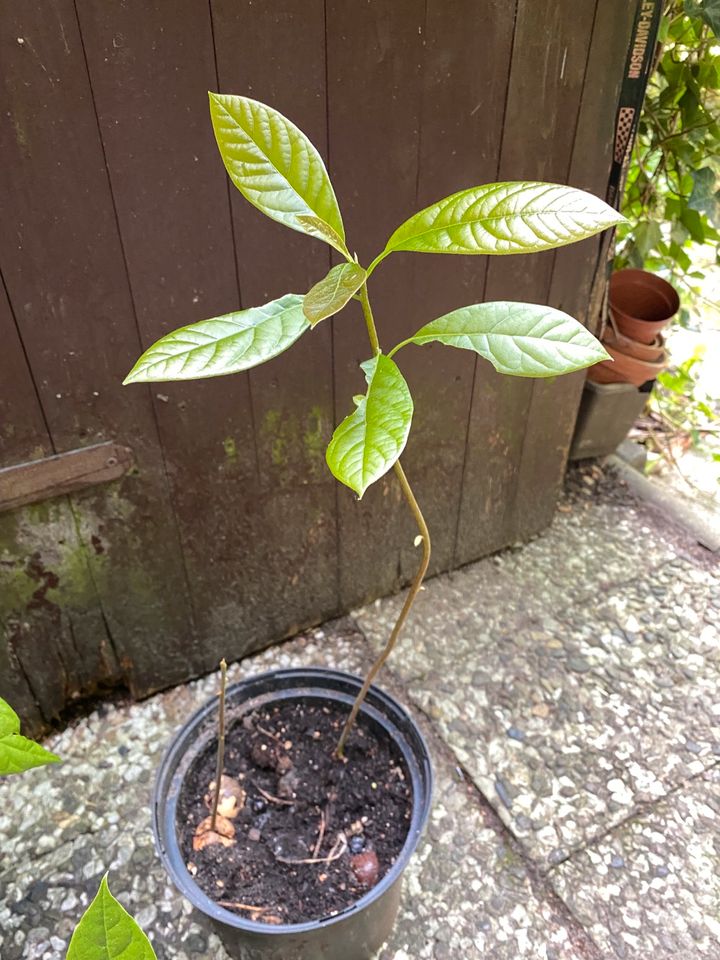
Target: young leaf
<point>17,753</point>
<point>369,441</point>
<point>107,932</point>
<point>227,344</point>
<point>276,167</point>
<point>331,294</point>
<point>502,218</point>
<point>519,339</point>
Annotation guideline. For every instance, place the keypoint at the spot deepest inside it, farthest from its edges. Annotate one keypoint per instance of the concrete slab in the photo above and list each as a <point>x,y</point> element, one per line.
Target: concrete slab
<point>652,887</point>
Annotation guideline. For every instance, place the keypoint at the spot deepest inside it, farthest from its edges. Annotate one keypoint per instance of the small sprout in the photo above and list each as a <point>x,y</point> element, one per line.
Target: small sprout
<point>205,836</point>
<point>231,799</point>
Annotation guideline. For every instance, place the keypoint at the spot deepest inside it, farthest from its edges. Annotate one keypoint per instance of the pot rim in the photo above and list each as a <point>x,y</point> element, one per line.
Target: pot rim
<point>179,754</point>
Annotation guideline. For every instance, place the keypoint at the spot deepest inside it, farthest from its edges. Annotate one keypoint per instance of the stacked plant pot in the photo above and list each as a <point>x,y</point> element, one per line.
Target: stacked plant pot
<point>641,306</point>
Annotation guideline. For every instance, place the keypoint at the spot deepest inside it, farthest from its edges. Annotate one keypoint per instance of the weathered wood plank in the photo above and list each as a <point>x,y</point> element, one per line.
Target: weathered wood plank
<point>574,267</point>
<point>150,74</point>
<point>22,434</point>
<point>53,643</point>
<point>466,47</point>
<point>64,269</point>
<point>62,473</point>
<point>288,542</point>
<point>375,55</point>
<point>547,70</point>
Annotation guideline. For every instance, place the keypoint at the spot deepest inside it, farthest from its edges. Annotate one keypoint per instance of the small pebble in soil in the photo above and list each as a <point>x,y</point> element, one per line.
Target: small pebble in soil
<point>357,844</point>
<point>258,805</point>
<point>365,867</point>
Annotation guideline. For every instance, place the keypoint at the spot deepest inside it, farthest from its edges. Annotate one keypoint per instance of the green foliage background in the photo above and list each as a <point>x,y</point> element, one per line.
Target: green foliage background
<point>672,194</point>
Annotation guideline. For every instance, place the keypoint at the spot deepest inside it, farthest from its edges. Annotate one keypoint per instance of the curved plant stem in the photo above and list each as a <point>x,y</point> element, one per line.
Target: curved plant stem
<point>369,319</point>
<point>419,576</point>
<point>221,744</point>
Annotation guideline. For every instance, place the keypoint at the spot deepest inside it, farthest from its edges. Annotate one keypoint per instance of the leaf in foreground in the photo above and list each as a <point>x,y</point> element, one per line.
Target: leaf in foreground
<point>333,292</point>
<point>519,339</point>
<point>369,441</point>
<point>504,218</point>
<point>223,345</point>
<point>18,753</point>
<point>107,932</point>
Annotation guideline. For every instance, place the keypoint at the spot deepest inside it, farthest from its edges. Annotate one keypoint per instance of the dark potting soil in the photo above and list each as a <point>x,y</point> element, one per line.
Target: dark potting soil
<point>298,803</point>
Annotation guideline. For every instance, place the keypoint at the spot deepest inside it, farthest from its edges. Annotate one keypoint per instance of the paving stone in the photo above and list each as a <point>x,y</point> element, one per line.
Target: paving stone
<point>665,901</point>
<point>467,891</point>
<point>617,707</point>
<point>574,680</point>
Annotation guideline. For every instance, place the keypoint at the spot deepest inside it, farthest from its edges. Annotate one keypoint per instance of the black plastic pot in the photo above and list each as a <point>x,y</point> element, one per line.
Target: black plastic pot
<point>357,932</point>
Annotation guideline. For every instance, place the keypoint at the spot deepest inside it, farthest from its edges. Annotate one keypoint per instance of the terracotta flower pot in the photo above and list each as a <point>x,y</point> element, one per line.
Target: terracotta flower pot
<point>641,304</point>
<point>651,352</point>
<point>625,369</point>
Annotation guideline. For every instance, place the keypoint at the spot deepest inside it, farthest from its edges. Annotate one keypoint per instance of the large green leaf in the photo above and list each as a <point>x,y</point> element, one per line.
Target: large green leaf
<point>276,167</point>
<point>17,753</point>
<point>331,294</point>
<point>227,344</point>
<point>503,218</point>
<point>519,339</point>
<point>369,441</point>
<point>107,932</point>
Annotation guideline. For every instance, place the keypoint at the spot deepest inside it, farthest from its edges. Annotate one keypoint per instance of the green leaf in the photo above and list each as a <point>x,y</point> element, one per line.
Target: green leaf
<point>276,167</point>
<point>331,294</point>
<point>107,932</point>
<point>9,720</point>
<point>17,753</point>
<point>519,339</point>
<point>705,197</point>
<point>707,10</point>
<point>223,345</point>
<point>504,218</point>
<point>369,441</point>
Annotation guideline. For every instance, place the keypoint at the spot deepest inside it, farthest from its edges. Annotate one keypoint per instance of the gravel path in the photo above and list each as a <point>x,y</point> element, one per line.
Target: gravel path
<point>569,692</point>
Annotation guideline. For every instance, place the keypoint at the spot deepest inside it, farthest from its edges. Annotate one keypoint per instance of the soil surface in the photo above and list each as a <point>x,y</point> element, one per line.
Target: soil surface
<point>307,835</point>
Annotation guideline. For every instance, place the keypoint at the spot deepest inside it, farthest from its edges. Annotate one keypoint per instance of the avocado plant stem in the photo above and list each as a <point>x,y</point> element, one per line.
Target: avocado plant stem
<point>419,576</point>
<point>221,744</point>
<point>369,319</point>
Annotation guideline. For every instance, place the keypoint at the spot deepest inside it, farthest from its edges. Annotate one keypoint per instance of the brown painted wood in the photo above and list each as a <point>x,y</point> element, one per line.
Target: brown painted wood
<point>63,266</point>
<point>53,644</point>
<point>150,74</point>
<point>502,501</point>
<point>463,82</point>
<point>285,549</point>
<point>375,54</point>
<point>22,434</point>
<point>574,268</point>
<point>120,225</point>
<point>62,473</point>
